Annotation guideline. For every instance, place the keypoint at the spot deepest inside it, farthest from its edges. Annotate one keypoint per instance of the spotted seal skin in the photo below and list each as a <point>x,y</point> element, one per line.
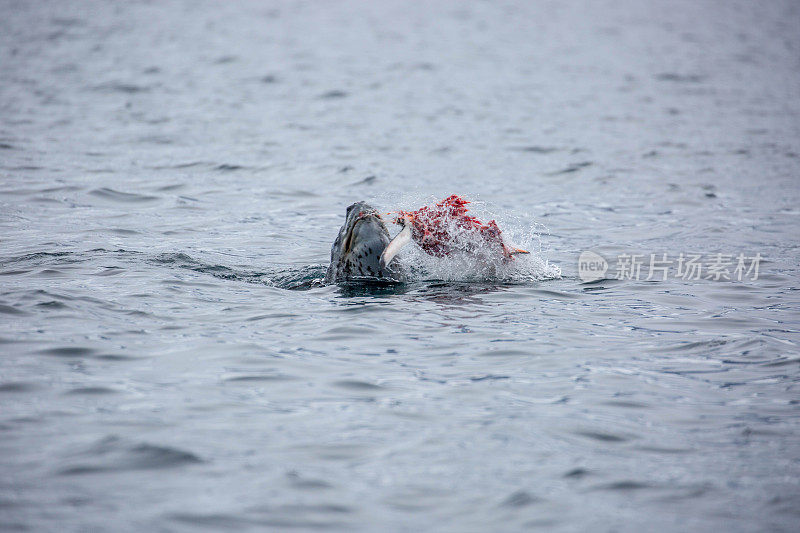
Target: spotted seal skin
<point>356,252</point>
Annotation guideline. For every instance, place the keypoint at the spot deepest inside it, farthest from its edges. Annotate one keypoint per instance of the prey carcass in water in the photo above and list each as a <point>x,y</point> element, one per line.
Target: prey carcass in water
<point>445,228</point>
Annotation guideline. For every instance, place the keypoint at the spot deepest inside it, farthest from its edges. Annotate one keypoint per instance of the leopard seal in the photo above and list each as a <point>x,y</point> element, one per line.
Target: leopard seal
<point>356,252</point>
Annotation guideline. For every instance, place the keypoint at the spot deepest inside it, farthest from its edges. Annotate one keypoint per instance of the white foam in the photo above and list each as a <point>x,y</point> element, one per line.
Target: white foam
<point>476,260</point>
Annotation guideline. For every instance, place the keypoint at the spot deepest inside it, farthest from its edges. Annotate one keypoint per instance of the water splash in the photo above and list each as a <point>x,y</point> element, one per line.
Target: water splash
<point>473,258</point>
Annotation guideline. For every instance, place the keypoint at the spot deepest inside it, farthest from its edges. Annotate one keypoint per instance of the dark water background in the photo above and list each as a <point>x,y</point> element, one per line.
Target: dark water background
<point>170,171</point>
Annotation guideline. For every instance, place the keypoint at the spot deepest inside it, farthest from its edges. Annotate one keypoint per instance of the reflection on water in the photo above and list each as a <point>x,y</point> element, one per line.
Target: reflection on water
<point>172,176</point>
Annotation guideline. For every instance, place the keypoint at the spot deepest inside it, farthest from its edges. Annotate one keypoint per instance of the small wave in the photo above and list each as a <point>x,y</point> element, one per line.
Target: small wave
<point>116,454</point>
<point>535,149</point>
<point>182,260</point>
<point>227,167</point>
<point>69,351</point>
<point>369,180</point>
<point>520,498</point>
<point>120,87</point>
<point>91,391</point>
<point>357,385</point>
<point>18,386</point>
<point>335,94</point>
<point>602,436</point>
<point>262,520</point>
<point>66,260</point>
<point>571,168</point>
<point>297,278</point>
<point>268,378</point>
<point>302,278</point>
<point>179,166</point>
<point>11,310</point>
<point>625,485</point>
<point>119,196</point>
<point>680,78</point>
<point>36,258</point>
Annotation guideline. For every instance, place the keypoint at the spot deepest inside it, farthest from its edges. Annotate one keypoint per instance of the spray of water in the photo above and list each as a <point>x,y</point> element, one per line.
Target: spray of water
<point>471,258</point>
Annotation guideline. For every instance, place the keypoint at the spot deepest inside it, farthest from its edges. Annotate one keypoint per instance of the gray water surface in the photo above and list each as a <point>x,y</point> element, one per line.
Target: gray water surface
<point>172,175</point>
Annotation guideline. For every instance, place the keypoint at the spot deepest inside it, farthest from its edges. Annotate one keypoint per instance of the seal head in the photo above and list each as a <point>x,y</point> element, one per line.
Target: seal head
<point>356,252</point>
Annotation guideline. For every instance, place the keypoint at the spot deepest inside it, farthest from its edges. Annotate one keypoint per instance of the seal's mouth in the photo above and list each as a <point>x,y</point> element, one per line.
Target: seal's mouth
<point>361,223</point>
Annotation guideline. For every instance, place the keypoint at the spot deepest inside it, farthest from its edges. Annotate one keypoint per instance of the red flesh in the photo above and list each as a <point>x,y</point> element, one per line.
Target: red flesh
<point>431,227</point>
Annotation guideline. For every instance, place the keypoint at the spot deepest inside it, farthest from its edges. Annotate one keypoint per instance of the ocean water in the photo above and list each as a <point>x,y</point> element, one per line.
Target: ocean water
<point>172,175</point>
